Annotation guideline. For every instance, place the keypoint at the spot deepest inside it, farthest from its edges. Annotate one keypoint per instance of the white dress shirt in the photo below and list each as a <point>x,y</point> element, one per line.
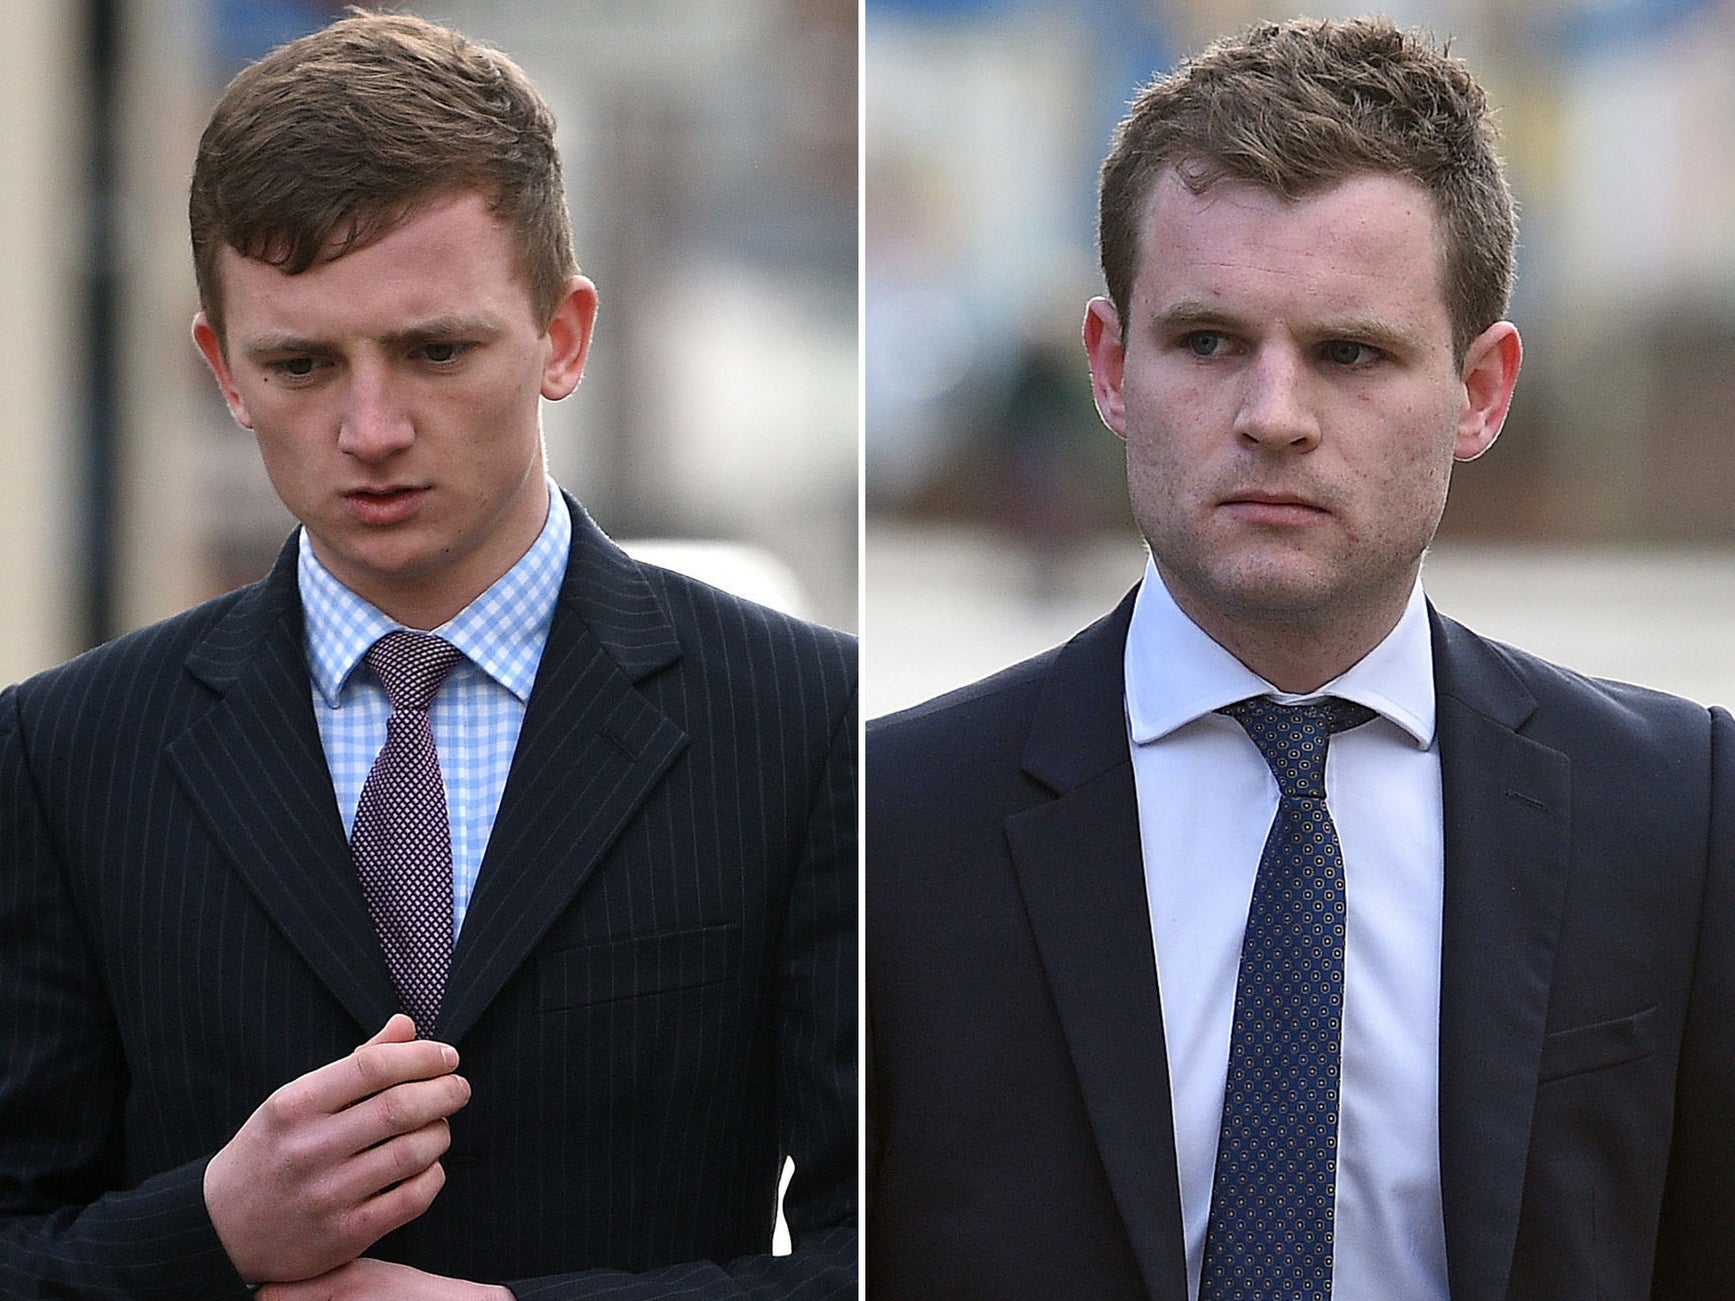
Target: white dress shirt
<point>1206,801</point>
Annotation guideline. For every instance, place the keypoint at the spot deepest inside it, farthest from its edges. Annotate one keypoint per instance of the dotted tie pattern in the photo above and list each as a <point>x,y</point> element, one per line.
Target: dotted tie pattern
<point>1273,1196</point>
<point>402,840</point>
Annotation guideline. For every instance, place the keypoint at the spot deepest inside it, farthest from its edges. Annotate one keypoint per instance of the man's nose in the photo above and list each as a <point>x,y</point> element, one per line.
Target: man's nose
<point>374,422</point>
<point>1276,408</point>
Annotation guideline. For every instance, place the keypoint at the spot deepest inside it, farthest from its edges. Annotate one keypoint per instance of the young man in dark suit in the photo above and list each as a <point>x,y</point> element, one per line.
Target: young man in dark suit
<point>566,839</point>
<point>1277,936</point>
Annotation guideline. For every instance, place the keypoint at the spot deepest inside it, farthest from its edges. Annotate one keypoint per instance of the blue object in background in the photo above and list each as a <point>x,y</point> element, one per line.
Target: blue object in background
<point>243,30</point>
<point>939,8</point>
<point>1589,28</point>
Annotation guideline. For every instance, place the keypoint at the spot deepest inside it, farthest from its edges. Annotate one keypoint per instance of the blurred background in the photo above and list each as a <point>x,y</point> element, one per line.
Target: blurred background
<point>1599,530</point>
<point>711,157</point>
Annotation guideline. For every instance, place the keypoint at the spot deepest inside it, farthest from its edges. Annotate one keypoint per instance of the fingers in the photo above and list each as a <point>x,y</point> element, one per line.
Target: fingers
<point>348,1204</point>
<point>398,1111</point>
<point>405,1157</point>
<point>397,1029</point>
<point>384,1092</point>
<point>336,1158</point>
<point>397,1205</point>
<point>371,1279</point>
<point>401,1155</point>
<point>396,1132</point>
<point>392,1056</point>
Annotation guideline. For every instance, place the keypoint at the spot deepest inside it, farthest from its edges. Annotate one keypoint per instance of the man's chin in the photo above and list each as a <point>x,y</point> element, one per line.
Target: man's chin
<point>378,563</point>
<point>1287,592</point>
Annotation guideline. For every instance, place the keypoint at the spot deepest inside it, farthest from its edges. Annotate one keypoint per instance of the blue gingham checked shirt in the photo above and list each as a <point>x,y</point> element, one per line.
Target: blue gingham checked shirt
<point>480,707</point>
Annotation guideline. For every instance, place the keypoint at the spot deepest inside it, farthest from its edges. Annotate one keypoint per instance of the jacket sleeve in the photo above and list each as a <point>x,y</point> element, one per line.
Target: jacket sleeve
<point>68,1227</point>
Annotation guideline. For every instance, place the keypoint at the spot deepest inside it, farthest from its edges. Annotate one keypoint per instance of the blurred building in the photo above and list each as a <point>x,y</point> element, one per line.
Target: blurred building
<point>986,120</point>
<point>41,110</point>
<point>711,160</point>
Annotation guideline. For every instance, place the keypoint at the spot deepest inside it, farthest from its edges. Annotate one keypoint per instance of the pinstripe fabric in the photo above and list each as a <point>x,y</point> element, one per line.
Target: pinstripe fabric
<point>478,713</point>
<point>654,989</point>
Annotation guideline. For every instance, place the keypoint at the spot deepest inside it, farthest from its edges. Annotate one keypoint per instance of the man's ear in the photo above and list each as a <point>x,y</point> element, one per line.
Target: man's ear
<point>569,335</point>
<point>1102,342</point>
<point>211,349</point>
<point>1490,374</point>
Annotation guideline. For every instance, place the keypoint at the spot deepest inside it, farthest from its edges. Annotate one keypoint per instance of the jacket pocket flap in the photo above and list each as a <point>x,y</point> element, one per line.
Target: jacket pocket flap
<point>1593,1047</point>
<point>640,964</point>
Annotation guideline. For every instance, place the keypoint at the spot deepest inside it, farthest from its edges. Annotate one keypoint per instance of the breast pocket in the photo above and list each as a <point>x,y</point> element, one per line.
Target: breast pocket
<point>638,965</point>
<point>1599,1045</point>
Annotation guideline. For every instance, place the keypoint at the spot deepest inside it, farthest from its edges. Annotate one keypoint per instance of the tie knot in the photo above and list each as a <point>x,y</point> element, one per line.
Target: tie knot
<point>411,666</point>
<point>1293,738</point>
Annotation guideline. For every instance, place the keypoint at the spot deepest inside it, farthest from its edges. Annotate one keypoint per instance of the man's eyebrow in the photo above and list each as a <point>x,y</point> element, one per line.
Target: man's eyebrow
<point>1193,314</point>
<point>279,345</point>
<point>1196,314</point>
<point>1386,335</point>
<point>441,328</point>
<point>434,330</point>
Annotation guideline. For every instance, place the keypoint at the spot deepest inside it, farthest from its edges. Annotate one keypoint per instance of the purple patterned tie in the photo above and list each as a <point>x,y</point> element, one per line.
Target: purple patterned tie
<point>402,841</point>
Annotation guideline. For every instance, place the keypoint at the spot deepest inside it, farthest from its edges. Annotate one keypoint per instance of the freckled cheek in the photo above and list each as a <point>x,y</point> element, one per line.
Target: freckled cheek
<point>1165,482</point>
<point>490,400</point>
<point>292,412</point>
<point>1159,388</point>
<point>1411,494</point>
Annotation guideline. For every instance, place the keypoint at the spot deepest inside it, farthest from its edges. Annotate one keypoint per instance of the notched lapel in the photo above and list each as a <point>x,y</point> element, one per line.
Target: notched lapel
<point>255,770</point>
<point>591,750</point>
<point>1081,875</point>
<point>1507,834</point>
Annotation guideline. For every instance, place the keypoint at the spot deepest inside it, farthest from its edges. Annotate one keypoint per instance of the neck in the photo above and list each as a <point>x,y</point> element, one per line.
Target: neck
<point>1296,669</point>
<point>424,601</point>
<point>1298,653</point>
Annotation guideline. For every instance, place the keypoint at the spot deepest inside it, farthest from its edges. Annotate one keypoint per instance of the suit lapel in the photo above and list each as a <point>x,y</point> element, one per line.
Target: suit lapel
<point>1507,828</point>
<point>591,749</point>
<point>255,770</point>
<point>1506,840</point>
<point>1081,875</point>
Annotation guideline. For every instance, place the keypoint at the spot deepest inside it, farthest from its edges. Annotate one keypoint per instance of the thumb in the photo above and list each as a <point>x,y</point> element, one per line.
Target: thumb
<point>398,1029</point>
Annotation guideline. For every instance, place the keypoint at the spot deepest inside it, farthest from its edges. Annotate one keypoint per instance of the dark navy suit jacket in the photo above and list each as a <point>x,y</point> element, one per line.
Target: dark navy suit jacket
<point>1020,1138</point>
<point>653,993</point>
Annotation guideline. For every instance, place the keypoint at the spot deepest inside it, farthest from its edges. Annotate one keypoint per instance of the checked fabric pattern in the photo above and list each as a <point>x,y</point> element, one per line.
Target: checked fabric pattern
<point>402,840</point>
<point>1273,1197</point>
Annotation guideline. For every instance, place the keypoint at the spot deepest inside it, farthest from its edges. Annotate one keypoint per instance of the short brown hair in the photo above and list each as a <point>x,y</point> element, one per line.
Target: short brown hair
<point>330,141</point>
<point>1297,107</point>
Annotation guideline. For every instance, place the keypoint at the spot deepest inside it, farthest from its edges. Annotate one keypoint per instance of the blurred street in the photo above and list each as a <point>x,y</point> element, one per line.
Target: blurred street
<point>710,152</point>
<point>1597,534</point>
<point>947,605</point>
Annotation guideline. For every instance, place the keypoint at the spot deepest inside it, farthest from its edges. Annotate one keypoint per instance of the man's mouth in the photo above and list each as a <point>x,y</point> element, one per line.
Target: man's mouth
<point>392,490</point>
<point>1277,508</point>
<point>385,505</point>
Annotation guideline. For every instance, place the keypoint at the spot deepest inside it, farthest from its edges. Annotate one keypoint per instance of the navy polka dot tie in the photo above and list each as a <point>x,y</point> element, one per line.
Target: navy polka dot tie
<point>1273,1197</point>
<point>402,840</point>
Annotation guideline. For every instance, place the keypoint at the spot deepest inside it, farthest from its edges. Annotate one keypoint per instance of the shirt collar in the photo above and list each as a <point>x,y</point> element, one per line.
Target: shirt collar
<point>1176,673</point>
<point>502,631</point>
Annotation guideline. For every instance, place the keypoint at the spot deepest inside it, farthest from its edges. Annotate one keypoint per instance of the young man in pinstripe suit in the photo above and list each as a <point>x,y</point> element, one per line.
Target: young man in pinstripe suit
<point>648,792</point>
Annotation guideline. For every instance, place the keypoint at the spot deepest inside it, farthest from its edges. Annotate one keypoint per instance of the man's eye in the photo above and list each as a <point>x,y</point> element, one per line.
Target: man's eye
<point>442,353</point>
<point>293,368</point>
<point>1204,343</point>
<point>1344,352</point>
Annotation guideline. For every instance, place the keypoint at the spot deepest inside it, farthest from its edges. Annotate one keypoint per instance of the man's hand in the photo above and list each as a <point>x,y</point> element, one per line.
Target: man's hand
<point>375,1280</point>
<point>333,1161</point>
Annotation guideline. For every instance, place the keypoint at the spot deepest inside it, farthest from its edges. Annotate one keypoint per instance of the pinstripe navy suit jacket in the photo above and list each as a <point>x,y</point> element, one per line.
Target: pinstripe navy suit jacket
<point>653,993</point>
